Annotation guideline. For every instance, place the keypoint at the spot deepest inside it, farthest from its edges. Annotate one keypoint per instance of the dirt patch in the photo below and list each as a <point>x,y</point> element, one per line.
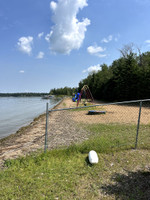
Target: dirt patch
<point>128,113</point>
<point>114,114</point>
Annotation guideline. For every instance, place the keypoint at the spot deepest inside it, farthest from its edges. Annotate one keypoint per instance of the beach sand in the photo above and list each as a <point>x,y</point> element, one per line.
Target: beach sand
<point>64,128</point>
<point>61,132</point>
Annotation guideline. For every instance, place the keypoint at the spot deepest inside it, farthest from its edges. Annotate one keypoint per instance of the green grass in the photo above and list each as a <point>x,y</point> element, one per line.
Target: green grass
<point>66,174</point>
<point>111,137</point>
<point>44,176</point>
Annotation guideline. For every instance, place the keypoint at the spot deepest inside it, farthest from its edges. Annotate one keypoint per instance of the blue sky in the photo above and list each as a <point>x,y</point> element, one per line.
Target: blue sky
<point>46,44</point>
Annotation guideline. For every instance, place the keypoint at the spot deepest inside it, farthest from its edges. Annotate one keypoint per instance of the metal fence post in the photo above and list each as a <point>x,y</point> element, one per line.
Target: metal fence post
<point>46,128</point>
<point>137,133</point>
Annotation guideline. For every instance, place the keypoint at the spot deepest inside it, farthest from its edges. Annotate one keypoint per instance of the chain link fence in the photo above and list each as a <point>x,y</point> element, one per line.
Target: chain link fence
<point>102,127</point>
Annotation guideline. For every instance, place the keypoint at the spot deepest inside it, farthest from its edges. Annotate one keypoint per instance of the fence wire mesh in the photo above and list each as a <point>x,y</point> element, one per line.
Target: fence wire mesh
<point>101,127</point>
<point>144,129</point>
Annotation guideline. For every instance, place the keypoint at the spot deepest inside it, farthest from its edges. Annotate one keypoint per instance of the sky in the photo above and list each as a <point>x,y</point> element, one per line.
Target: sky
<point>51,44</point>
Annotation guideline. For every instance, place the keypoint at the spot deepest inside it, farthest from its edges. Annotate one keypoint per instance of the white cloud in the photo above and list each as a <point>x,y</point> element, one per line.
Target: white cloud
<point>92,69</point>
<point>67,33</point>
<point>25,44</point>
<point>147,41</point>
<point>108,39</point>
<point>21,71</point>
<point>40,35</point>
<point>40,55</point>
<point>96,50</point>
<point>53,5</point>
<point>47,37</point>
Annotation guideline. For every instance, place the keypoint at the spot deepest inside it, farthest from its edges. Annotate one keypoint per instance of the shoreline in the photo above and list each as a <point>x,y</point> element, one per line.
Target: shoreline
<point>62,131</point>
<point>21,128</point>
<point>26,125</point>
<point>26,139</point>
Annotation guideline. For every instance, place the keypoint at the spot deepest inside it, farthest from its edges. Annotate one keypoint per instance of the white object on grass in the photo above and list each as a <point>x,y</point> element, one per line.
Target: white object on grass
<point>93,157</point>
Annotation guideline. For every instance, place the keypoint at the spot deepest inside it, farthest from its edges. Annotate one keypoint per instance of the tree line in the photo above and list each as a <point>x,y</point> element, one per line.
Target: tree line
<point>63,91</point>
<point>127,78</point>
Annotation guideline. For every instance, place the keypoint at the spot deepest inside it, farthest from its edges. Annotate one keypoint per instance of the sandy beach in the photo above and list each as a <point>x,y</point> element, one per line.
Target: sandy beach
<point>64,128</point>
<point>32,137</point>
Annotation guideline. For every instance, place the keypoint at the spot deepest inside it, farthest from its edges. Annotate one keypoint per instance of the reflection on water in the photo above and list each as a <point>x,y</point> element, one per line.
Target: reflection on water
<point>16,112</point>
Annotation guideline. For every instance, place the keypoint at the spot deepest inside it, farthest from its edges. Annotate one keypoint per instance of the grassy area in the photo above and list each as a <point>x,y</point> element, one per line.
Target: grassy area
<point>116,137</point>
<point>66,173</point>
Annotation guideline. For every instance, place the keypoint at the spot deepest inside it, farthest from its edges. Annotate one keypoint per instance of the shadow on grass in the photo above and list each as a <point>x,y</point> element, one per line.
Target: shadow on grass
<point>133,186</point>
<point>87,162</point>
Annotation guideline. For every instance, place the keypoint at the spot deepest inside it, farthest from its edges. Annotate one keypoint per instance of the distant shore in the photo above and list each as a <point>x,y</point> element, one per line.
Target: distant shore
<point>23,94</point>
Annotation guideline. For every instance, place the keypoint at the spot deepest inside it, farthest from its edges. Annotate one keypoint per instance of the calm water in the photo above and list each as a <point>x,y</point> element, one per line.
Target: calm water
<point>16,112</point>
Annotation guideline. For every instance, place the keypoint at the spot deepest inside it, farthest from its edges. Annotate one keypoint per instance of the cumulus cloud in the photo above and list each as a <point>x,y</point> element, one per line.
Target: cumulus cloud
<point>147,42</point>
<point>96,50</point>
<point>21,71</point>
<point>68,32</point>
<point>47,37</point>
<point>108,39</point>
<point>53,5</point>
<point>40,35</point>
<point>40,55</point>
<point>92,69</point>
<point>25,44</point>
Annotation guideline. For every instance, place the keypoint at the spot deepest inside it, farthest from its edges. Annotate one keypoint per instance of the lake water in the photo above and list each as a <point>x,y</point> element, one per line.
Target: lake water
<point>16,112</point>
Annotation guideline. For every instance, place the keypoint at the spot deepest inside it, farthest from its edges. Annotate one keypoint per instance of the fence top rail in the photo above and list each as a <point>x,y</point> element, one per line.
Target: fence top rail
<point>103,104</point>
